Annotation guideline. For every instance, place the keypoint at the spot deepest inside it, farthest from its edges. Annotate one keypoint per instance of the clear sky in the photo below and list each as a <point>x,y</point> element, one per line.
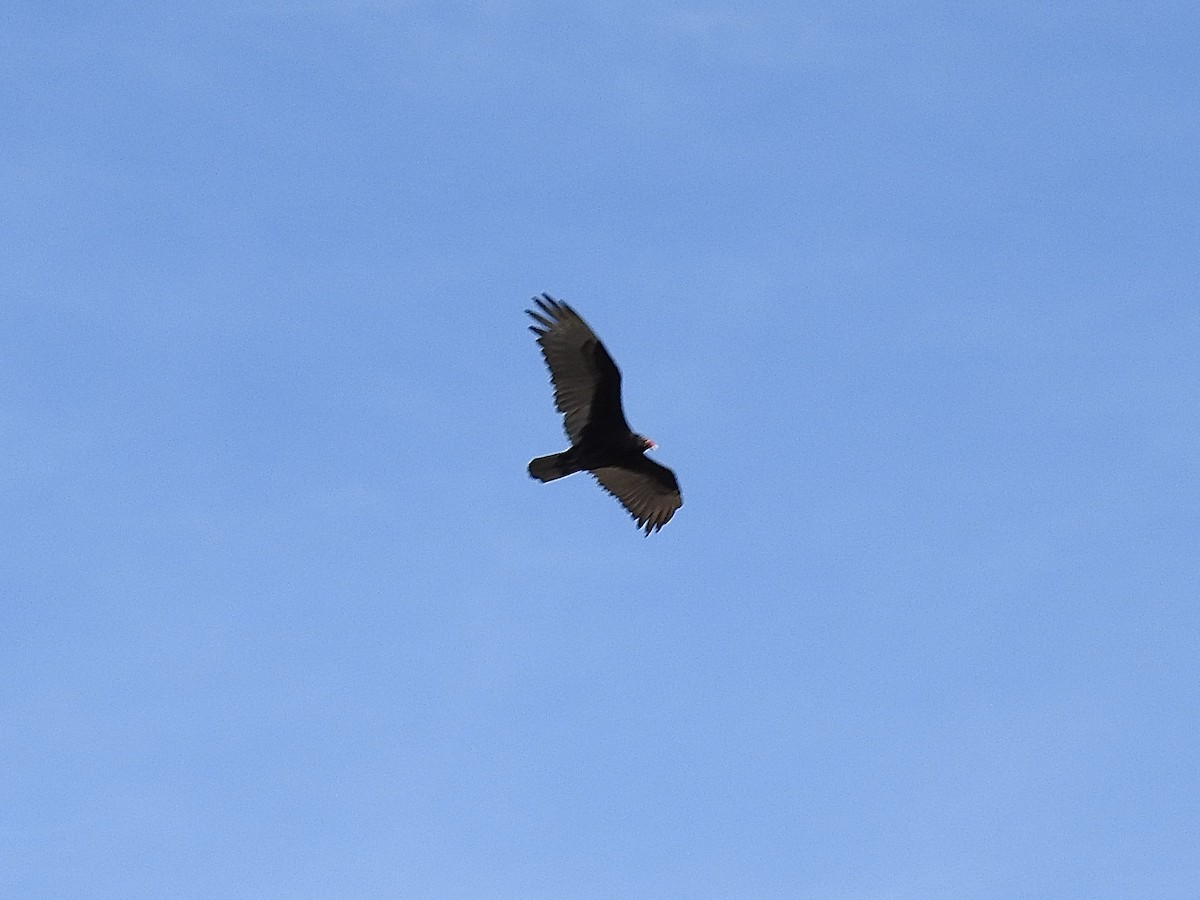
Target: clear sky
<point>906,292</point>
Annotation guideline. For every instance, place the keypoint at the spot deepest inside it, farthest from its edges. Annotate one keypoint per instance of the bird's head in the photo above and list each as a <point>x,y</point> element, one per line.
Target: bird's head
<point>645,443</point>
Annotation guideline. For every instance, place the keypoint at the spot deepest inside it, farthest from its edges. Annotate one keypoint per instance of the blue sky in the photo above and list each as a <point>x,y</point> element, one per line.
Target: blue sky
<point>906,292</point>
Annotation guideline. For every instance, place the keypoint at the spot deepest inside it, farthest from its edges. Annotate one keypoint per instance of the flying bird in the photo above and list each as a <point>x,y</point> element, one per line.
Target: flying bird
<point>587,391</point>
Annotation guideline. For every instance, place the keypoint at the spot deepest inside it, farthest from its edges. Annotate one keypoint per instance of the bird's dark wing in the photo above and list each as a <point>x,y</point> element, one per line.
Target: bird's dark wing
<point>587,383</point>
<point>648,491</point>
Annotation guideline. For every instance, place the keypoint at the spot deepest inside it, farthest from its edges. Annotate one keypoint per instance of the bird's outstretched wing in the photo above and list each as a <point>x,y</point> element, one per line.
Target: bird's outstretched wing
<point>587,383</point>
<point>648,491</point>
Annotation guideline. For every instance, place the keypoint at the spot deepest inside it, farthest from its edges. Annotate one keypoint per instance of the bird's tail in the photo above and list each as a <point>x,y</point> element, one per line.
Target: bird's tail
<point>556,465</point>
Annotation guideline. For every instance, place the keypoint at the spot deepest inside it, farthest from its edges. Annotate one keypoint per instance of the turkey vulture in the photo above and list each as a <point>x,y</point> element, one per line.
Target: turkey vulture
<point>587,391</point>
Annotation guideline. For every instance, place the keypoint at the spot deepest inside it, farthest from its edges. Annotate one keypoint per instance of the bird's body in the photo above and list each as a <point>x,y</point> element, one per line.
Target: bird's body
<point>587,391</point>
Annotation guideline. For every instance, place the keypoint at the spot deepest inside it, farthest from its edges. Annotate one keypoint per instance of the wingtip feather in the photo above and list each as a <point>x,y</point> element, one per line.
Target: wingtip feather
<point>542,320</point>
